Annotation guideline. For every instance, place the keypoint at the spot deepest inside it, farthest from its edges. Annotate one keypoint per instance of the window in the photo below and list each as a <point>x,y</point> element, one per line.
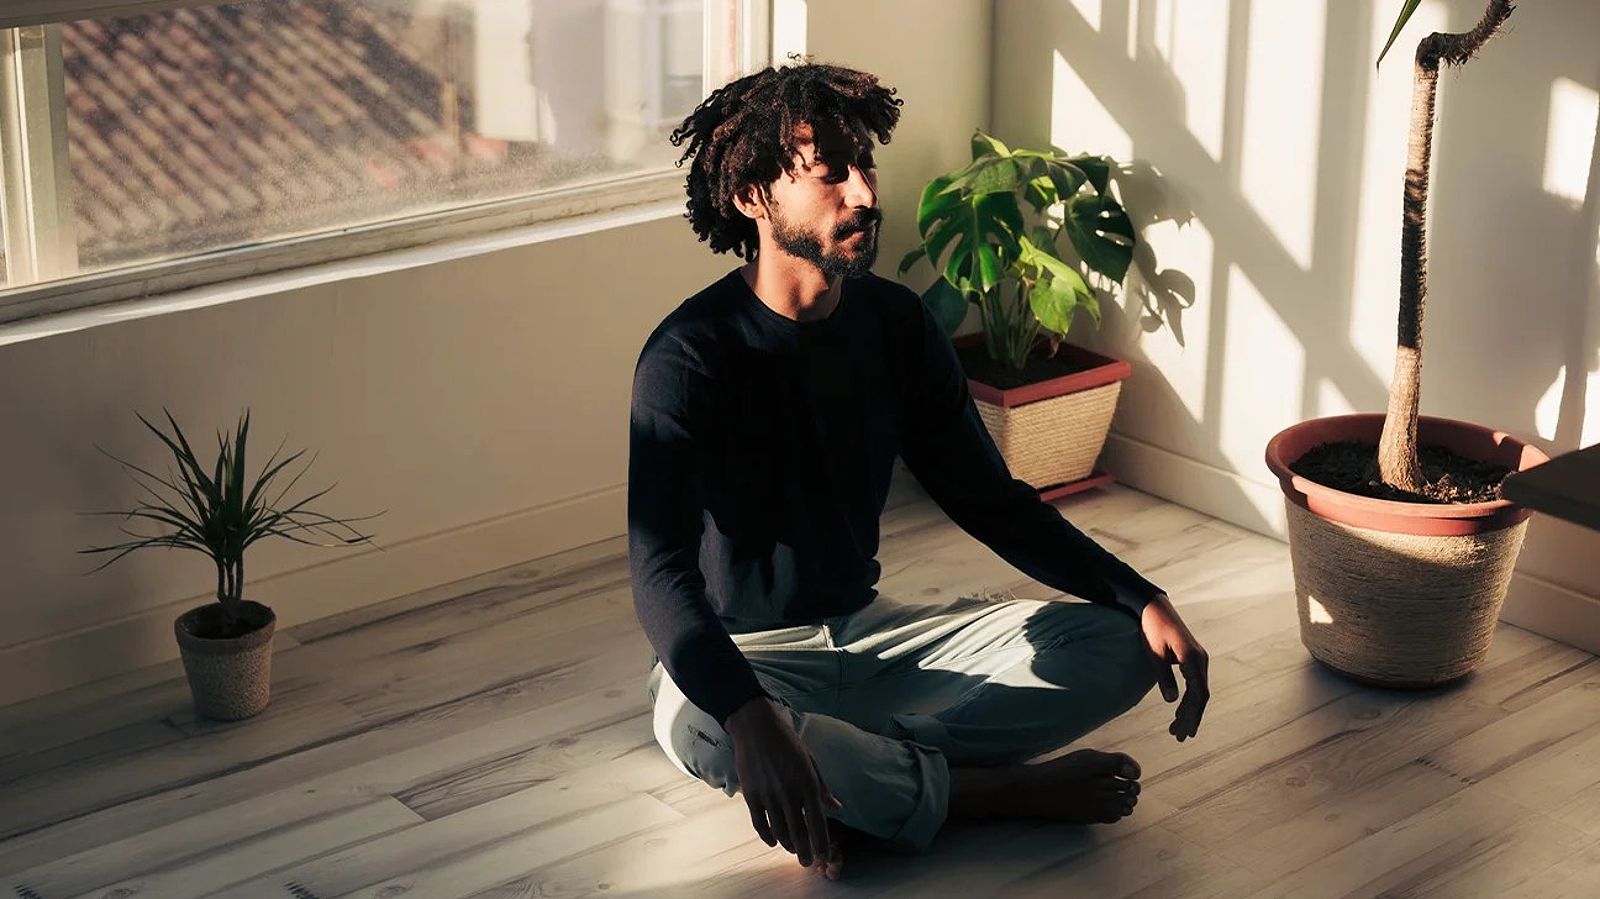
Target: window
<point>178,143</point>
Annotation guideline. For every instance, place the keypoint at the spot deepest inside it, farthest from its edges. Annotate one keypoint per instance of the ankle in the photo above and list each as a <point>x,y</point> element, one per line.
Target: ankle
<point>978,793</point>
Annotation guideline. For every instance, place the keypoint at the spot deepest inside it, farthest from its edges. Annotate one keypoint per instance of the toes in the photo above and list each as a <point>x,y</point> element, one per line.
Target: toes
<point>1129,768</point>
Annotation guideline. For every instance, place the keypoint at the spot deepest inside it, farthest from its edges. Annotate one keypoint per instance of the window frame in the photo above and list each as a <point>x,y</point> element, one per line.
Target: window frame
<point>37,210</point>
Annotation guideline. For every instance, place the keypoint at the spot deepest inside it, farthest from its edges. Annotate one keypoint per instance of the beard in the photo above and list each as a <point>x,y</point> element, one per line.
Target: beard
<point>847,260</point>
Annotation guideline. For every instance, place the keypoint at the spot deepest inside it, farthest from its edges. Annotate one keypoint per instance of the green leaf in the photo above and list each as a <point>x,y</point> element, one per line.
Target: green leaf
<point>1400,23</point>
<point>1000,217</point>
<point>188,467</point>
<point>953,227</point>
<point>1041,193</point>
<point>1058,269</point>
<point>962,177</point>
<point>1102,234</point>
<point>984,143</point>
<point>946,304</point>
<point>1052,302</point>
<point>1097,169</point>
<point>236,479</point>
<point>267,476</point>
<point>910,260</point>
<point>934,203</point>
<point>1068,181</point>
<point>988,268</point>
<point>956,270</point>
<point>1000,177</point>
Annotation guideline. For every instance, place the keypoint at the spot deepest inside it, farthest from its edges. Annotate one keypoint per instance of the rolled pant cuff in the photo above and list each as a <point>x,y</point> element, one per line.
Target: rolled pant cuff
<point>933,800</point>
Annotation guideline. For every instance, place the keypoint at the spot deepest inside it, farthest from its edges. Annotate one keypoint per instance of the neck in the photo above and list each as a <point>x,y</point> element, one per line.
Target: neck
<point>791,287</point>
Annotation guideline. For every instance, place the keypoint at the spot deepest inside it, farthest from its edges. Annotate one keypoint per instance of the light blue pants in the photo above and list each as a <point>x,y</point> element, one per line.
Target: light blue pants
<point>889,698</point>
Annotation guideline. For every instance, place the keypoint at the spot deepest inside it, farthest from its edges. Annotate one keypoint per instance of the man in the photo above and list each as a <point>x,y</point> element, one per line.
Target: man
<point>767,412</point>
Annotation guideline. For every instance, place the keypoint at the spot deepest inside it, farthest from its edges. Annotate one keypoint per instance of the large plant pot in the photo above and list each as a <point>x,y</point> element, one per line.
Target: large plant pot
<point>1398,594</point>
<point>1051,432</point>
<point>229,678</point>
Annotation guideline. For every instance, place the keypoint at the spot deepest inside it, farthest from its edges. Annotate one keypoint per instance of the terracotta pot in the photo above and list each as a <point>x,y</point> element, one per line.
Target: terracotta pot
<point>1051,432</point>
<point>229,678</point>
<point>1392,593</point>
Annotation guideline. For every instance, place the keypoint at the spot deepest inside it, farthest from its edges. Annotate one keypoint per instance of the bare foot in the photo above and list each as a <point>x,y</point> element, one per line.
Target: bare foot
<point>1082,787</point>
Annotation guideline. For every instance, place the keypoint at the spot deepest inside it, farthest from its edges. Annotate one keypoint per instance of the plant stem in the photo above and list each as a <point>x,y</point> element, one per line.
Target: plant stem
<point>1397,447</point>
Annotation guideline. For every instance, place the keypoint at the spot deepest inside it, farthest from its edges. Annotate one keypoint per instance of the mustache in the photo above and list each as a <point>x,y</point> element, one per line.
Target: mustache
<point>861,224</point>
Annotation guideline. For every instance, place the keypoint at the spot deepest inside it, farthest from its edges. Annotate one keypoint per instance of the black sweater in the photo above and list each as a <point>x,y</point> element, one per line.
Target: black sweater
<point>760,454</point>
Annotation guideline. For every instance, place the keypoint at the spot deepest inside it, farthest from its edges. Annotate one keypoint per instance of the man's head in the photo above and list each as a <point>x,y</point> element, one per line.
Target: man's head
<point>782,160</point>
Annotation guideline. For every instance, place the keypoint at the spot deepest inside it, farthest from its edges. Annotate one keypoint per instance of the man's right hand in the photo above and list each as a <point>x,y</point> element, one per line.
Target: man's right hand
<point>780,780</point>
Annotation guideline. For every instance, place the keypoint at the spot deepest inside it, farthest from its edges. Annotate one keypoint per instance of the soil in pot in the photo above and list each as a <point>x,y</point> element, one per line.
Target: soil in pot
<point>1352,467</point>
<point>210,622</point>
<point>979,367</point>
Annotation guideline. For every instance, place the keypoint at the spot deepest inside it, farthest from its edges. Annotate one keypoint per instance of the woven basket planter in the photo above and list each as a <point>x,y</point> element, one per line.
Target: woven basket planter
<point>1051,432</point>
<point>1395,594</point>
<point>230,678</point>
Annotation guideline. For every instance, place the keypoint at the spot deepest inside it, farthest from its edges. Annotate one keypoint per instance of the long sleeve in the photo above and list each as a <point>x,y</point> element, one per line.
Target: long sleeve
<point>667,430</point>
<point>952,455</point>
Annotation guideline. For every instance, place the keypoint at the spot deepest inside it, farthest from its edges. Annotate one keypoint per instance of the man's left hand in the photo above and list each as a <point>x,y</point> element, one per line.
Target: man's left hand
<point>1169,640</point>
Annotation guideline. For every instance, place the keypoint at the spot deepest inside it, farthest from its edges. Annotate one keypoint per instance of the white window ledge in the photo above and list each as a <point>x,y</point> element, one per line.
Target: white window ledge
<point>322,273</point>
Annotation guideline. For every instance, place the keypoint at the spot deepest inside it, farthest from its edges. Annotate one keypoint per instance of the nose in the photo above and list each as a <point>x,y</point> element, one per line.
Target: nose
<point>861,189</point>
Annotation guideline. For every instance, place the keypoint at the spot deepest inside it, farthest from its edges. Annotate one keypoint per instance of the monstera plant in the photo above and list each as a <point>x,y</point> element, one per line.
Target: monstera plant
<point>1008,263</point>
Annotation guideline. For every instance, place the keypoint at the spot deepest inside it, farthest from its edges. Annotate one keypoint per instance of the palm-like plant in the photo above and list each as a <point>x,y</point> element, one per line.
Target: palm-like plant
<point>215,514</point>
<point>1398,465</point>
<point>975,214</point>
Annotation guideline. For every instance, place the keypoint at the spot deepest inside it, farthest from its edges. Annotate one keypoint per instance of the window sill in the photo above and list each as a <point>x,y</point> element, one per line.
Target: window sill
<point>50,323</point>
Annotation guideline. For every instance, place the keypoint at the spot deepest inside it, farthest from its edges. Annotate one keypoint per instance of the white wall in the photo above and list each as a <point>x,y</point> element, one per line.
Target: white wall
<point>1270,158</point>
<point>483,401</point>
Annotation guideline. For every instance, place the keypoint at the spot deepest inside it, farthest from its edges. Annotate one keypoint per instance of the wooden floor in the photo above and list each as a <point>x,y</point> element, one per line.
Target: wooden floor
<point>490,738</point>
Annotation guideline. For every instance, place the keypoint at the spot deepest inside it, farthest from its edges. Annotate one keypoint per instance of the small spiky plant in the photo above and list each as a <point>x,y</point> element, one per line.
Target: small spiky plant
<point>215,515</point>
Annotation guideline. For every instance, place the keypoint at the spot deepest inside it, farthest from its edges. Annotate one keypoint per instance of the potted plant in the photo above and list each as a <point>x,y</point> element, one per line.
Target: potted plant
<point>227,645</point>
<point>1047,404</point>
<point>1401,543</point>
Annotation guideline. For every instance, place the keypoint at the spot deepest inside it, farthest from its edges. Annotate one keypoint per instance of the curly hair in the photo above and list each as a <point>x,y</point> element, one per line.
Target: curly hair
<point>744,134</point>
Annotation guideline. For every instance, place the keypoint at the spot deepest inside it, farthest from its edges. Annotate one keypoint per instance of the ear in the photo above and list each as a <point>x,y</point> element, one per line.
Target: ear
<point>748,201</point>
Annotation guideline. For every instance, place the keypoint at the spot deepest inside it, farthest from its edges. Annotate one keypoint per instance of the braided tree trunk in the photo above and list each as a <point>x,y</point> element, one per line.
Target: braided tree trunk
<point>1397,449</point>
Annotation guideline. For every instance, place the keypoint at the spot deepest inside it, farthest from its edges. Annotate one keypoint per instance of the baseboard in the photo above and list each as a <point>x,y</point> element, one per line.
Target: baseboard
<point>1532,602</point>
<point>58,662</point>
<point>1535,604</point>
<point>1200,486</point>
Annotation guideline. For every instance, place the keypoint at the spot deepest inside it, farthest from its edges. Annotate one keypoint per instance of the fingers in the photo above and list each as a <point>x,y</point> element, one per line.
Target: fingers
<point>1168,682</point>
<point>1196,674</point>
<point>816,816</point>
<point>781,827</point>
<point>799,841</point>
<point>817,822</point>
<point>758,818</point>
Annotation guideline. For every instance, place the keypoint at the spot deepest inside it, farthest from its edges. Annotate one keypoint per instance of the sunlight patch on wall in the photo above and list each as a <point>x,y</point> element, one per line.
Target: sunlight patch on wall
<point>1090,10</point>
<point>1375,302</point>
<point>1263,373</point>
<point>1569,146</point>
<point>1079,122</point>
<point>1282,108</point>
<point>1547,412</point>
<point>1192,39</point>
